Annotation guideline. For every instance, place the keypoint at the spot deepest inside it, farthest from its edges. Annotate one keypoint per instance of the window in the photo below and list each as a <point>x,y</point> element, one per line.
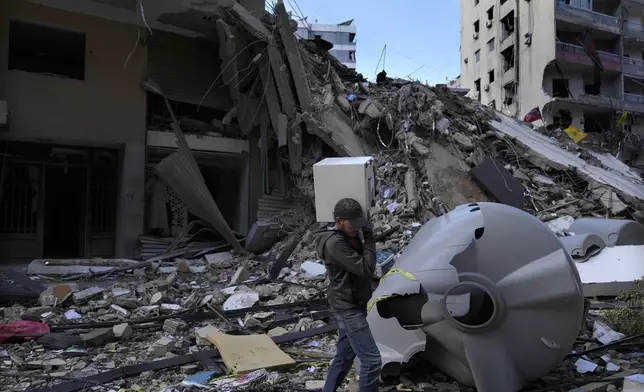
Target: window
<point>477,85</point>
<point>508,59</point>
<point>508,25</point>
<point>509,92</point>
<point>490,13</point>
<point>476,26</point>
<point>352,55</point>
<point>503,1</point>
<point>39,49</point>
<point>560,88</point>
<point>476,2</point>
<point>477,56</point>
<point>493,104</point>
<point>490,76</point>
<point>490,45</point>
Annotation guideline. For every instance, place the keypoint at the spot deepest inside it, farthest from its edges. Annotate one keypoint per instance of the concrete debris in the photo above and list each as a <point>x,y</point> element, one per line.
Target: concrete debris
<point>172,326</point>
<point>122,331</point>
<point>433,150</point>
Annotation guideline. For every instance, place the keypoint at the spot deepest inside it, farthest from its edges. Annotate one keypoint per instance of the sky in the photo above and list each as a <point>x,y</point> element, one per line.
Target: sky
<point>422,36</point>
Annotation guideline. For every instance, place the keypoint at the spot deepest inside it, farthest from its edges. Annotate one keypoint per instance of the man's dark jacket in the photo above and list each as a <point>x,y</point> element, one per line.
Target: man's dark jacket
<point>350,266</point>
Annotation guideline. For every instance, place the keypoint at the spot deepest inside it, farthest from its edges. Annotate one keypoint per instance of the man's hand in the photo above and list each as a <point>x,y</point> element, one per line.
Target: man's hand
<point>367,232</point>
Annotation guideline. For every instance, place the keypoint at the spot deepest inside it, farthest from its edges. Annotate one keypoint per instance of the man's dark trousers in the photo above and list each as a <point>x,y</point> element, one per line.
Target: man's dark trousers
<point>355,339</point>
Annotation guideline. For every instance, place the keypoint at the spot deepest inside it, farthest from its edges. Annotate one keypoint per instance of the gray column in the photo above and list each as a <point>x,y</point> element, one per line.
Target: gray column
<point>130,209</point>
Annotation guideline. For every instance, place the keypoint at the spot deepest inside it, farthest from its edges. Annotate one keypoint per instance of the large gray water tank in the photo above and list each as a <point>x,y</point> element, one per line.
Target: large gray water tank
<point>487,293</point>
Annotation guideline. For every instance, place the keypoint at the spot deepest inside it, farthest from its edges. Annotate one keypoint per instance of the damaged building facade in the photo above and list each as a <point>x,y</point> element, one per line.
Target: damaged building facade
<point>579,61</point>
<point>80,134</point>
<point>341,35</point>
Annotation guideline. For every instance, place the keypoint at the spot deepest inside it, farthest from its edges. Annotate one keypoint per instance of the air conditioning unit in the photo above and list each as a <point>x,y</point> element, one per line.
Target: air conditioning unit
<point>486,87</point>
<point>488,24</point>
<point>476,35</point>
<point>4,113</point>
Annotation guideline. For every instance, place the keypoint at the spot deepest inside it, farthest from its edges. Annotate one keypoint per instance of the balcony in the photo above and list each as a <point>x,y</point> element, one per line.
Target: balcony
<point>508,76</point>
<point>633,67</point>
<point>588,18</point>
<point>576,55</point>
<point>634,103</point>
<point>633,30</point>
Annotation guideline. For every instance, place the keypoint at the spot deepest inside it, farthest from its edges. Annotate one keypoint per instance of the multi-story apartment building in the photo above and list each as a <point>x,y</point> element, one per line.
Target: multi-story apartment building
<point>80,133</point>
<point>578,61</point>
<point>341,35</point>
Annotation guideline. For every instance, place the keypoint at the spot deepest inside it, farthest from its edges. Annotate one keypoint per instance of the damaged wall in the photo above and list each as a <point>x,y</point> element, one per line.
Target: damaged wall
<point>185,68</point>
<point>536,18</point>
<point>107,107</point>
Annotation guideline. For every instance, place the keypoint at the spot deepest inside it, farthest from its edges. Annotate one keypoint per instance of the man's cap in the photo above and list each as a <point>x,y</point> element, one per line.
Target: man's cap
<point>350,210</point>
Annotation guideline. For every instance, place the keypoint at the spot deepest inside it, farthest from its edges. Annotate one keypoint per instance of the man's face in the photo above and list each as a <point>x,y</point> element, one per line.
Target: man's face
<point>346,227</point>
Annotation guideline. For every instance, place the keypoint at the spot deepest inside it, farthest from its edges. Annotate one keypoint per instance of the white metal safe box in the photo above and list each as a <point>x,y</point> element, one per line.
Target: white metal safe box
<point>338,178</point>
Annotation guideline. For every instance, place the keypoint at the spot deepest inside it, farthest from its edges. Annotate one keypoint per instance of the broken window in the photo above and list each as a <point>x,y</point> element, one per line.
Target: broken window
<point>492,104</point>
<point>490,76</point>
<point>352,55</point>
<point>477,25</point>
<point>509,91</point>
<point>490,13</point>
<point>34,48</point>
<point>503,1</point>
<point>560,88</point>
<point>490,46</point>
<point>597,122</point>
<point>592,89</point>
<point>508,58</point>
<point>562,119</point>
<point>477,56</point>
<point>476,2</point>
<point>19,199</point>
<point>477,88</point>
<point>193,119</point>
<point>507,24</point>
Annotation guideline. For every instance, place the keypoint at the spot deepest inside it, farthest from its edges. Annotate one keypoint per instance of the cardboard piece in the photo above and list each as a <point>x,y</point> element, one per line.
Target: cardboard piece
<point>245,353</point>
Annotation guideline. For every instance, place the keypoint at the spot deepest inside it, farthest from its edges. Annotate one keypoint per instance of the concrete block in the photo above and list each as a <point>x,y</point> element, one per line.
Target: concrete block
<point>156,298</point>
<point>172,326</point>
<point>162,347</point>
<point>217,258</point>
<point>120,311</point>
<point>122,331</point>
<point>98,337</point>
<point>87,294</point>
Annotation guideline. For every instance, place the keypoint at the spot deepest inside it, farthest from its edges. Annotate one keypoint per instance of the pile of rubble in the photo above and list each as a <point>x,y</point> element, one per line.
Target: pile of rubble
<point>153,325</point>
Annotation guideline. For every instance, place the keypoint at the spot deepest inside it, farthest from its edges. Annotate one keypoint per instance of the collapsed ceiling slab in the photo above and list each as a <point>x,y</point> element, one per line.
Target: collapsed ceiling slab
<point>545,148</point>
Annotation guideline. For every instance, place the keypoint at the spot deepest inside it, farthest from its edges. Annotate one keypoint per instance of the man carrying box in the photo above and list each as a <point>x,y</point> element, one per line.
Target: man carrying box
<point>350,263</point>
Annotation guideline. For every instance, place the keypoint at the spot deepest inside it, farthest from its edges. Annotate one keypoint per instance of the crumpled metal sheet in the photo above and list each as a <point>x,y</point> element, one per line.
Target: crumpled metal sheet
<point>477,293</point>
<point>181,172</point>
<point>186,180</point>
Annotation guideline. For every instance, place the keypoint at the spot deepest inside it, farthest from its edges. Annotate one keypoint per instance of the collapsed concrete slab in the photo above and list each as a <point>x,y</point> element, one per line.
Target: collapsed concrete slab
<point>487,293</point>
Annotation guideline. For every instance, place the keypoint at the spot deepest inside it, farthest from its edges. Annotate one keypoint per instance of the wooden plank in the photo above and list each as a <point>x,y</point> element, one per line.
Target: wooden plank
<point>246,353</point>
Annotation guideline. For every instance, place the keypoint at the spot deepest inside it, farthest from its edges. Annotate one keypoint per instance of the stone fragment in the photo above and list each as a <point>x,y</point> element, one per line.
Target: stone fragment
<point>120,311</point>
<point>218,258</point>
<point>119,291</point>
<point>87,294</point>
<point>167,270</point>
<point>277,332</point>
<point>122,331</point>
<point>156,298</point>
<point>202,334</point>
<point>98,337</point>
<point>463,140</point>
<point>314,385</point>
<point>161,347</point>
<point>171,279</point>
<point>240,276</point>
<point>197,269</point>
<point>172,326</point>
<point>169,308</point>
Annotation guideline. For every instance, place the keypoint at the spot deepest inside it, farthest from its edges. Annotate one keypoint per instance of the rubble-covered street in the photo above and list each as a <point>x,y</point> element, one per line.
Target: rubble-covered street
<point>193,313</point>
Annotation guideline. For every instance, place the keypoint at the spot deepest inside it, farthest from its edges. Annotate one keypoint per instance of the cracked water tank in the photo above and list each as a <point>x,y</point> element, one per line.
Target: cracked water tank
<point>486,293</point>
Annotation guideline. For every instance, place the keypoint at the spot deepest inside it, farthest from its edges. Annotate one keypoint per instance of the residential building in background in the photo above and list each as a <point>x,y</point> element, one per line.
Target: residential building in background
<point>579,61</point>
<point>341,35</point>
